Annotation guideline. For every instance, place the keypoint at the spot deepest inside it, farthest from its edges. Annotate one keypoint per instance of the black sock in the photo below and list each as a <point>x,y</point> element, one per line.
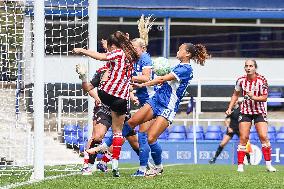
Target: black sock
<point>248,157</point>
<point>92,157</point>
<point>218,152</point>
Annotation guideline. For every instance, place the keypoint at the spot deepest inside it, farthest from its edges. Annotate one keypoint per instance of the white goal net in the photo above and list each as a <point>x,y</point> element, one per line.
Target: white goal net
<point>65,104</point>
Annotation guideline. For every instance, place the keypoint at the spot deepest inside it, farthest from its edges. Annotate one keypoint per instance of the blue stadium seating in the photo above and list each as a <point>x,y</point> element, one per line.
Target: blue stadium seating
<point>71,134</point>
<point>70,128</point>
<point>214,128</point>
<point>198,129</point>
<point>83,135</point>
<point>82,145</point>
<point>281,129</point>
<point>213,136</point>
<point>280,137</point>
<point>253,129</point>
<point>253,136</point>
<point>164,135</point>
<point>235,138</point>
<point>177,129</point>
<point>176,137</point>
<point>199,136</point>
<point>272,137</point>
<point>271,129</point>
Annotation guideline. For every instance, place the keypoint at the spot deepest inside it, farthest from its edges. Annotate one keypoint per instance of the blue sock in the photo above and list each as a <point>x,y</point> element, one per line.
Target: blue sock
<point>108,141</point>
<point>126,129</point>
<point>144,149</point>
<point>156,153</point>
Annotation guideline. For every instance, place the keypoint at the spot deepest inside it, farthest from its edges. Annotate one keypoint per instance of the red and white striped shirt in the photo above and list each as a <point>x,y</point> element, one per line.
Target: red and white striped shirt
<point>120,74</point>
<point>259,87</point>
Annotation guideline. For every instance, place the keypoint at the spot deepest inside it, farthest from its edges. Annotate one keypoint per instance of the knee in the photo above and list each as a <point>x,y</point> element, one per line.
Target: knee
<point>132,122</point>
<point>244,139</point>
<point>97,137</point>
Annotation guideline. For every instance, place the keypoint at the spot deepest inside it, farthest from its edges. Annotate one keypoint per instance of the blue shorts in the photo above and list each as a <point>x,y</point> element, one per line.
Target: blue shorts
<point>161,110</point>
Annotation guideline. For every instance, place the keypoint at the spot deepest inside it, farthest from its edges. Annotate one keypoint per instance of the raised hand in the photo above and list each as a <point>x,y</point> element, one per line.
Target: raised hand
<point>78,50</point>
<point>82,71</point>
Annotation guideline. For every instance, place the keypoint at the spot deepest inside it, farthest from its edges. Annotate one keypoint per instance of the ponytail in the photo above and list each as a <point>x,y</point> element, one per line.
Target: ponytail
<point>198,53</point>
<point>144,26</point>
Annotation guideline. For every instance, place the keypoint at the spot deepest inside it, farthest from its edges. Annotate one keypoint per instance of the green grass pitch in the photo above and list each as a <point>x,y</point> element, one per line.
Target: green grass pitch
<point>177,176</point>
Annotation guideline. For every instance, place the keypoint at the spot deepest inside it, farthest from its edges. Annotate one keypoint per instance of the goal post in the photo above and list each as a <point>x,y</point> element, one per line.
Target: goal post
<point>38,93</point>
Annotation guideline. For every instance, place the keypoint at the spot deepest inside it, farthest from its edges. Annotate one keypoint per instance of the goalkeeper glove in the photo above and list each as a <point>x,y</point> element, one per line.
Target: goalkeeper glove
<point>82,71</point>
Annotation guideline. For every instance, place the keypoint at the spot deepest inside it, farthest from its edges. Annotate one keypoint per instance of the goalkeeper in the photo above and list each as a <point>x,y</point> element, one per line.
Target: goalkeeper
<point>101,120</point>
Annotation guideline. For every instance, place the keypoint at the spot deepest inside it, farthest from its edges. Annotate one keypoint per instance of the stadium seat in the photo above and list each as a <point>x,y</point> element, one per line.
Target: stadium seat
<point>271,129</point>
<point>164,135</point>
<point>213,136</point>
<point>235,138</point>
<point>253,136</point>
<point>199,136</point>
<point>280,137</point>
<point>253,129</point>
<point>83,135</point>
<point>71,134</point>
<point>213,128</point>
<point>86,128</point>
<point>281,129</point>
<point>71,128</point>
<point>82,145</point>
<point>176,137</point>
<point>271,136</point>
<point>177,129</point>
<point>198,129</point>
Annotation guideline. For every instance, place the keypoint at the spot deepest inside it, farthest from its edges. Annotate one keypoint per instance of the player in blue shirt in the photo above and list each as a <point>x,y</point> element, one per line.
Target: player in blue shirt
<point>143,73</point>
<point>164,104</point>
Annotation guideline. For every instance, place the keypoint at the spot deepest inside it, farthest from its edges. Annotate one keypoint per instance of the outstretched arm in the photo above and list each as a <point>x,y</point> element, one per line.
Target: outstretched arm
<point>92,54</point>
<point>146,75</point>
<point>158,80</point>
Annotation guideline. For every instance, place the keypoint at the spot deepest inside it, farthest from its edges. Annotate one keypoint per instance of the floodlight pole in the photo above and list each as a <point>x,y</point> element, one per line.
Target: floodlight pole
<point>92,63</point>
<point>38,94</point>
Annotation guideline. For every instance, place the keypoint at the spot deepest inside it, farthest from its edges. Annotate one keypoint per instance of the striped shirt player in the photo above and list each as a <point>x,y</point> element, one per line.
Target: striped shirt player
<point>120,75</point>
<point>166,100</point>
<point>144,93</point>
<point>259,87</point>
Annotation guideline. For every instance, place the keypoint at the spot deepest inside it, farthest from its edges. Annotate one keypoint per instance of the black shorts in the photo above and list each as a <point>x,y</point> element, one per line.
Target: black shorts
<point>116,104</point>
<point>255,117</point>
<point>102,114</point>
<point>235,132</point>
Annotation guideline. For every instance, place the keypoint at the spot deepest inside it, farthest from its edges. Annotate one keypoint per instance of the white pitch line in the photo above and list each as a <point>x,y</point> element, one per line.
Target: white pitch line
<point>61,176</point>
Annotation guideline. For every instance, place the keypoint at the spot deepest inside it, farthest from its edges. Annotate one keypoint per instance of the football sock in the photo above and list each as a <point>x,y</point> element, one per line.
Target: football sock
<point>144,149</point>
<point>156,153</point>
